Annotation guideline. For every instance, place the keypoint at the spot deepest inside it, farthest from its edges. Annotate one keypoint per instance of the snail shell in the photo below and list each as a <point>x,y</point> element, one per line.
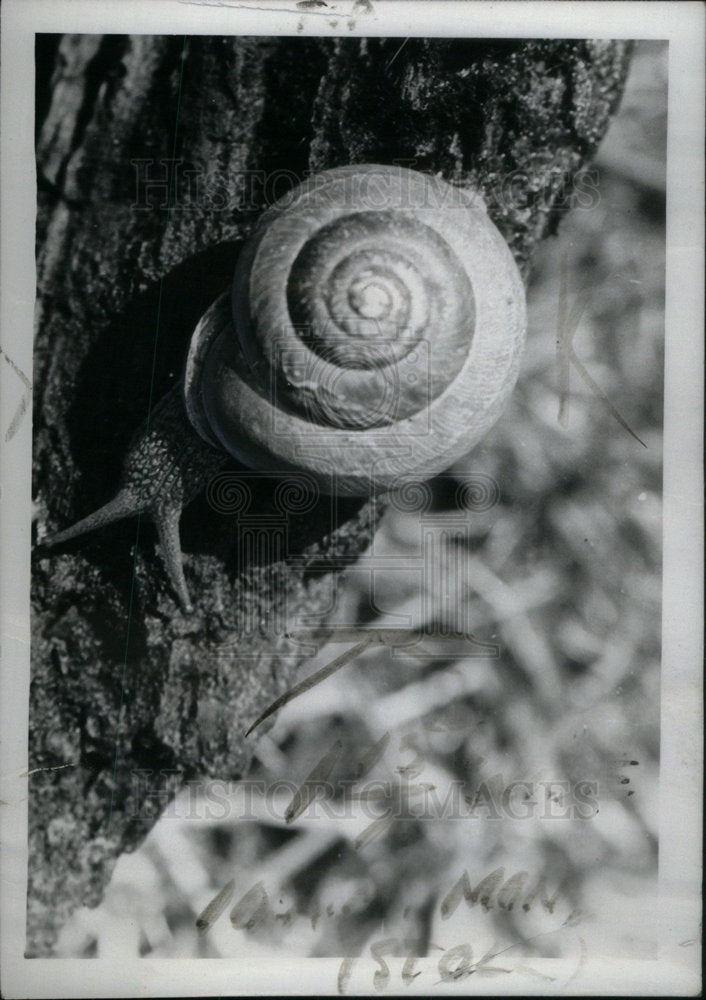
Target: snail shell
<point>378,319</point>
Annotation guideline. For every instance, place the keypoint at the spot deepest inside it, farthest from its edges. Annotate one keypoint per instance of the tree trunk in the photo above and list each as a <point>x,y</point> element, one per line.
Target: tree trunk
<point>154,157</point>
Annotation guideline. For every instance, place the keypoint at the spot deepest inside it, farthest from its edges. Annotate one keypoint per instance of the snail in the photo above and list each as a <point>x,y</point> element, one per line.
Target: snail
<point>373,333</point>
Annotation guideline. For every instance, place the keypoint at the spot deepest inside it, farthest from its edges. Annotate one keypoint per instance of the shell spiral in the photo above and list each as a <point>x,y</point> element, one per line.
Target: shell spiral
<point>374,332</point>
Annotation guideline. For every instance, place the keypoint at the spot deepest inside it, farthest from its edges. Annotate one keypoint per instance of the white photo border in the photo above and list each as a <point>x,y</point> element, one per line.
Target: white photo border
<point>677,970</point>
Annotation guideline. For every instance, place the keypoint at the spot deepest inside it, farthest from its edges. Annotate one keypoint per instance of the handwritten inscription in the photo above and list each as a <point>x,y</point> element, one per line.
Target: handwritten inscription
<point>455,964</point>
<point>257,908</point>
<point>254,909</point>
<point>493,891</point>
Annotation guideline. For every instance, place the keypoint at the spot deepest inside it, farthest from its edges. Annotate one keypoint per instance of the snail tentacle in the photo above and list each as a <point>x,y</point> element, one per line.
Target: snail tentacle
<point>122,505</point>
<point>166,467</point>
<point>166,518</point>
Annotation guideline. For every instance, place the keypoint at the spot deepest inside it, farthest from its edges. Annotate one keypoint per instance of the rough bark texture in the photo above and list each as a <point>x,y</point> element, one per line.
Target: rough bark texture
<point>122,279</point>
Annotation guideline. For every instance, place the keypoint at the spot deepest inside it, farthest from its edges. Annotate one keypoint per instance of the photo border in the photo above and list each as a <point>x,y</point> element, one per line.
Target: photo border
<point>677,971</point>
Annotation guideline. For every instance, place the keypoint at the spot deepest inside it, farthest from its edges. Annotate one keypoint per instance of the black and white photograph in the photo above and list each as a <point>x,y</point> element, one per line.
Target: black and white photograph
<point>352,542</point>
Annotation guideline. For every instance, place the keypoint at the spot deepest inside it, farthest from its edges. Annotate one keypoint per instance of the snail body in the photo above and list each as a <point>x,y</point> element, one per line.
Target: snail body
<point>373,332</point>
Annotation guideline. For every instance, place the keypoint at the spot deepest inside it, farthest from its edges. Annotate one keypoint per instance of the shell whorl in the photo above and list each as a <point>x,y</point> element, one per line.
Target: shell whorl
<point>377,323</point>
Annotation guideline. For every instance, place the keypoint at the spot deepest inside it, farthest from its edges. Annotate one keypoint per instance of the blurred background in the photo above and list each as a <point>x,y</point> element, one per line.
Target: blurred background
<point>559,566</point>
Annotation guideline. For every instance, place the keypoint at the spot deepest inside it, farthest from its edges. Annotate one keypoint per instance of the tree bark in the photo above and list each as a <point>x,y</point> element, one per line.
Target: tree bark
<point>154,157</point>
